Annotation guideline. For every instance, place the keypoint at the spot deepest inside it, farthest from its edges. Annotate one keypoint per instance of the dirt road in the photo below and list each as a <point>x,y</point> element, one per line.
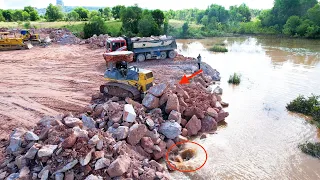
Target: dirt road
<point>46,81</point>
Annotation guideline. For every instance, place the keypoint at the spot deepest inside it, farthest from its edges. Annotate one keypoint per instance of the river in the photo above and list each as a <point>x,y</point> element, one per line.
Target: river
<point>260,137</point>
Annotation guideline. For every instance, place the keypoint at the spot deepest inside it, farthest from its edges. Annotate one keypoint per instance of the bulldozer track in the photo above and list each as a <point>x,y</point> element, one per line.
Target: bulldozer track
<point>121,90</point>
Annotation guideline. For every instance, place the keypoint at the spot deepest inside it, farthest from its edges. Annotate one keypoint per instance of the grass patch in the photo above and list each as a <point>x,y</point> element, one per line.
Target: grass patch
<point>217,48</point>
<point>312,149</point>
<point>234,79</point>
<point>309,106</point>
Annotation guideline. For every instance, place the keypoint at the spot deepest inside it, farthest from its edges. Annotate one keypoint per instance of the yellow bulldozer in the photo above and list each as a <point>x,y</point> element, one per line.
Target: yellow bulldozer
<point>125,81</point>
<point>30,37</point>
<point>12,42</point>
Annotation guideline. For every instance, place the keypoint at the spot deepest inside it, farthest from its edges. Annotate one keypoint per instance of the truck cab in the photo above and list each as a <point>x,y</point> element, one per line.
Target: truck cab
<point>116,44</point>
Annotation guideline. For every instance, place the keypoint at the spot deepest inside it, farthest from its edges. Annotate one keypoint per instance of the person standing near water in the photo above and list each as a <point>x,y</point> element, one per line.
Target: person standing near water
<point>199,61</point>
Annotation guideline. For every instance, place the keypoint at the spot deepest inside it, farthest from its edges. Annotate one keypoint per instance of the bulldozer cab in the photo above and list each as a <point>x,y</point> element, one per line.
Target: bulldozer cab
<point>116,44</point>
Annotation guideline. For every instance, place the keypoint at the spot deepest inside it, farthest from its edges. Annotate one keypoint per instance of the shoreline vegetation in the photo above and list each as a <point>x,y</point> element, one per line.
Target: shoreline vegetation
<point>302,21</point>
<point>309,106</point>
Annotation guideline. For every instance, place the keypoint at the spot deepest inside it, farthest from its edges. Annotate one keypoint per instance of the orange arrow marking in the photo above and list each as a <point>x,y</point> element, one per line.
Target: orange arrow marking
<point>185,79</point>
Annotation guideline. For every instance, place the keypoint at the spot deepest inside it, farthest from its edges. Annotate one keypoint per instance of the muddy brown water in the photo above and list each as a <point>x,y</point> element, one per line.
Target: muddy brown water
<point>260,138</point>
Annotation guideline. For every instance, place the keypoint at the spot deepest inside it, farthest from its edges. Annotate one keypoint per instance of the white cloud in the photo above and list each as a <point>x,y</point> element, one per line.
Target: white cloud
<point>150,4</point>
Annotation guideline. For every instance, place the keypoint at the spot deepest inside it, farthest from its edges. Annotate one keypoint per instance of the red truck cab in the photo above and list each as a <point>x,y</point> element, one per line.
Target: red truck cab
<point>116,44</point>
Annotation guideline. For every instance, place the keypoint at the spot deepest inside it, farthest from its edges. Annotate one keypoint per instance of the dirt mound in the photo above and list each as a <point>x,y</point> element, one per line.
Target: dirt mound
<point>97,41</point>
<point>63,36</point>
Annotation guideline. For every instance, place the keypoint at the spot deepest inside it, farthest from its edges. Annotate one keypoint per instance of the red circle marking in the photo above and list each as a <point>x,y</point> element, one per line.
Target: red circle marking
<point>183,142</point>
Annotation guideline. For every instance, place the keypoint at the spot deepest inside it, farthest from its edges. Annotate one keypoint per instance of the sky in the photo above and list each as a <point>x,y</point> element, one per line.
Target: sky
<point>150,4</point>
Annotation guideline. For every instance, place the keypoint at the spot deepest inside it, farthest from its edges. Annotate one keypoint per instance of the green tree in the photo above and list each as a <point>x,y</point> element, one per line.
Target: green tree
<point>158,17</point>
<point>290,28</point>
<point>73,16</point>
<point>314,14</point>
<point>107,13</point>
<point>53,13</point>
<point>283,9</point>
<point>34,16</point>
<point>25,16</point>
<point>83,13</point>
<point>185,29</point>
<point>96,25</point>
<point>8,15</point>
<point>32,12</point>
<point>1,16</point>
<point>17,15</point>
<point>303,27</point>
<point>147,26</point>
<point>94,13</point>
<point>116,11</point>
<point>305,5</point>
<point>218,12</point>
<point>130,17</point>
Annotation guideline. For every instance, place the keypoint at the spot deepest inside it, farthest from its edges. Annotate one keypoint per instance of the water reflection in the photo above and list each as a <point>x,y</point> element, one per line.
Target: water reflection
<point>260,138</point>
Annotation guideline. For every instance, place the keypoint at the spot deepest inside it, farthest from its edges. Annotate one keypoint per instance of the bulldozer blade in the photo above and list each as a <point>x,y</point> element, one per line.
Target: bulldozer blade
<point>29,46</point>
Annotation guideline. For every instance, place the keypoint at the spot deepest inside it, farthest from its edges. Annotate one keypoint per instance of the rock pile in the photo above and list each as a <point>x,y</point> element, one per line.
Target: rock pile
<point>63,36</point>
<point>97,41</point>
<point>114,137</point>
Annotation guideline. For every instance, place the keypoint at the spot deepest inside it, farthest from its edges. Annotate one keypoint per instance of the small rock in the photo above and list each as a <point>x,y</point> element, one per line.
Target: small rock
<point>184,132</point>
<point>100,145</point>
<point>72,122</point>
<point>94,140</point>
<point>150,101</point>
<point>211,112</point>
<point>183,122</point>
<point>115,125</point>
<point>203,136</point>
<point>121,133</point>
<point>208,124</point>
<point>3,175</point>
<point>24,173</point>
<point>170,129</point>
<point>69,141</point>
<point>31,153</point>
<point>119,166</point>
<point>172,103</point>
<point>47,150</point>
<point>129,115</point>
<point>159,154</point>
<point>45,175</point>
<point>13,176</point>
<point>164,98</point>
<point>222,115</point>
<point>136,132</point>
<point>86,159</point>
<point>59,176</point>
<point>146,142</point>
<point>218,90</point>
<point>30,136</point>
<point>224,104</point>
<point>15,140</point>
<point>175,115</point>
<point>156,165</point>
<point>158,89</point>
<point>69,175</point>
<point>102,163</point>
<point>67,167</point>
<point>80,133</point>
<point>88,122</point>
<point>20,161</point>
<point>98,154</point>
<point>47,167</point>
<point>97,110</point>
<point>193,126</point>
<point>150,123</point>
<point>93,177</point>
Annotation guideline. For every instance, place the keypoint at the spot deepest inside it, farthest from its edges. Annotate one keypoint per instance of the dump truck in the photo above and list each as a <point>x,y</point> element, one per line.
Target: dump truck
<point>159,47</point>
<point>12,42</point>
<point>125,81</point>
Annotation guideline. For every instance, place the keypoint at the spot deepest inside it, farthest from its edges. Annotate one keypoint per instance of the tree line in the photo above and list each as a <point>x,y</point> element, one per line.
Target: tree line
<point>298,18</point>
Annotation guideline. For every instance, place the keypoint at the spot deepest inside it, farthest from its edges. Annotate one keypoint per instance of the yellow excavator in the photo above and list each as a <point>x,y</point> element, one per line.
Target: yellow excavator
<point>12,42</point>
<point>125,81</point>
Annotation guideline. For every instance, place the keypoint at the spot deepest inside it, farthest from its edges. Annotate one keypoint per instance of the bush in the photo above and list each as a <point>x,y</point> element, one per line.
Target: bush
<point>312,149</point>
<point>234,79</point>
<point>96,26</point>
<point>308,106</point>
<point>217,48</point>
<point>27,25</point>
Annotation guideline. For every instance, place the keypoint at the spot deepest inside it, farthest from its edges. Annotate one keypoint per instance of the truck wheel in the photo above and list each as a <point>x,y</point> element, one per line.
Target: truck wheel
<point>141,57</point>
<point>163,55</point>
<point>172,54</point>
